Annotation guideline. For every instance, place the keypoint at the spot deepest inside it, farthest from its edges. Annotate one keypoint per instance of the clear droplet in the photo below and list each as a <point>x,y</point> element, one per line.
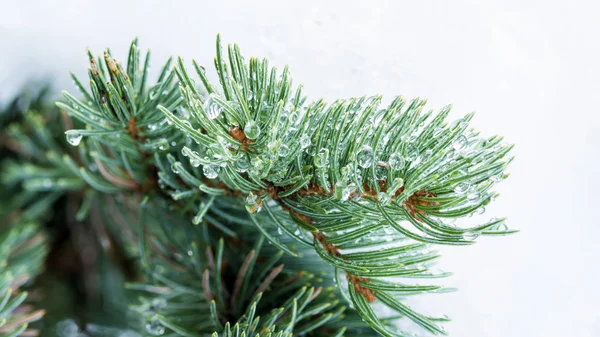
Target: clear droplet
<point>253,204</point>
<point>304,141</point>
<point>412,153</point>
<point>383,198</point>
<point>250,96</point>
<point>473,197</point>
<point>154,327</point>
<point>365,156</point>
<point>459,143</point>
<point>258,164</point>
<point>470,236</point>
<point>211,171</point>
<point>212,108</point>
<point>252,130</point>
<point>73,137</point>
<point>174,167</point>
<point>396,161</point>
<point>462,188</point>
<point>322,158</point>
<point>480,211</point>
<point>283,150</point>
<point>158,304</point>
<point>194,162</point>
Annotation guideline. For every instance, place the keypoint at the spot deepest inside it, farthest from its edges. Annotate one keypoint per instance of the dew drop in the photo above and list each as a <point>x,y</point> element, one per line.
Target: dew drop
<point>283,150</point>
<point>365,156</point>
<point>383,198</point>
<point>154,327</point>
<point>304,141</point>
<point>462,188</point>
<point>211,171</point>
<point>194,162</point>
<point>473,197</point>
<point>459,143</point>
<point>470,236</point>
<point>253,204</point>
<point>212,108</point>
<point>322,158</point>
<point>73,137</point>
<point>396,161</point>
<point>252,130</point>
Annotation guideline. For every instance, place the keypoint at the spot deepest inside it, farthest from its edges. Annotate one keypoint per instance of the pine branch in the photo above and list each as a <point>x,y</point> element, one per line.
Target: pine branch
<point>195,176</point>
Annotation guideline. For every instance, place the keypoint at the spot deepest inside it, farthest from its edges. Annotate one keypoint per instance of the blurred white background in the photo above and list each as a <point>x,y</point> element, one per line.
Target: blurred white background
<point>531,70</point>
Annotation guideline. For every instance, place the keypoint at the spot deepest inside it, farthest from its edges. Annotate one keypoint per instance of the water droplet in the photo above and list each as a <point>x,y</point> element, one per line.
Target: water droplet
<point>304,141</point>
<point>258,164</point>
<point>73,137</point>
<point>462,188</point>
<point>279,231</point>
<point>322,158</point>
<point>250,96</point>
<point>158,304</point>
<point>174,167</point>
<point>242,165</point>
<point>470,236</point>
<point>383,198</point>
<point>211,171</point>
<point>459,143</point>
<point>194,162</point>
<point>412,153</point>
<point>253,204</point>
<point>252,130</point>
<point>154,327</point>
<point>212,108</point>
<point>163,144</point>
<point>365,156</point>
<point>396,161</point>
<point>480,211</point>
<point>502,227</point>
<point>283,150</point>
<point>473,197</point>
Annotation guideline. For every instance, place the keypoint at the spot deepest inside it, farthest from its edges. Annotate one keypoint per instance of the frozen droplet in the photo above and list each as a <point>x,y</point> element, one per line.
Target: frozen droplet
<point>154,327</point>
<point>252,130</point>
<point>157,304</point>
<point>194,162</point>
<point>253,204</point>
<point>462,188</point>
<point>304,141</point>
<point>412,153</point>
<point>396,161</point>
<point>473,197</point>
<point>283,150</point>
<point>73,137</point>
<point>322,158</point>
<point>470,236</point>
<point>211,171</point>
<point>258,164</point>
<point>365,156</point>
<point>212,108</point>
<point>383,198</point>
<point>242,165</point>
<point>459,143</point>
<point>163,144</point>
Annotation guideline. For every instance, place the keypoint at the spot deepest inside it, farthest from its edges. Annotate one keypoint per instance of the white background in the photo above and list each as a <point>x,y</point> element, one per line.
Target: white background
<point>529,68</point>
